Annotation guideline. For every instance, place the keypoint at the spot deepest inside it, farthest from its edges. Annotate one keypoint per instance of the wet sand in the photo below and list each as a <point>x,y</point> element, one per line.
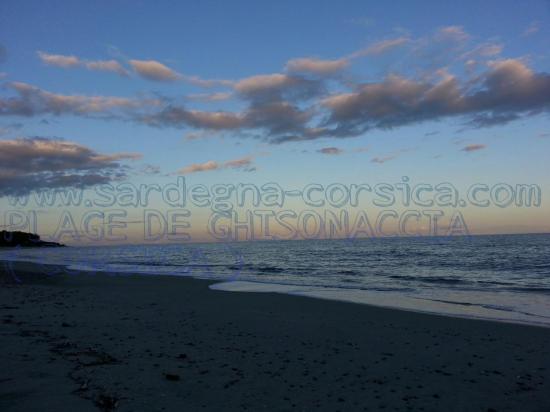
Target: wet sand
<point>150,343</point>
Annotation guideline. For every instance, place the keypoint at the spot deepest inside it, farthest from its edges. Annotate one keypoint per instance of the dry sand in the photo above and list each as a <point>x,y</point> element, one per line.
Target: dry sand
<point>150,343</point>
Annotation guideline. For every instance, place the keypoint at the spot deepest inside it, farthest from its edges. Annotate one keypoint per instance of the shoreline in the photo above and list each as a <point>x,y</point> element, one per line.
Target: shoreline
<point>148,343</point>
<point>375,298</point>
<point>254,287</point>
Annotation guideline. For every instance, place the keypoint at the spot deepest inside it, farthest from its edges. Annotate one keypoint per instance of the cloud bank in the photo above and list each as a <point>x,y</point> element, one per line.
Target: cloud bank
<point>311,98</point>
<point>28,164</point>
<point>32,101</point>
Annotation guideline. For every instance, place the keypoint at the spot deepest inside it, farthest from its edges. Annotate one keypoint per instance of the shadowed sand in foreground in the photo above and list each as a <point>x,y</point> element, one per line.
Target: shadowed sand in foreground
<point>163,343</point>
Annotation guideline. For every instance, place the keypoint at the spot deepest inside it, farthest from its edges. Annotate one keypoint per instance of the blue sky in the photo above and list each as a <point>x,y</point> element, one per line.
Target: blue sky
<point>390,90</point>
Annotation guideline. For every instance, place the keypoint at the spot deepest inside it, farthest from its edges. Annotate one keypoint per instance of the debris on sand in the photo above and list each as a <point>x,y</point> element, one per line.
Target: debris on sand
<point>172,376</point>
<point>106,403</point>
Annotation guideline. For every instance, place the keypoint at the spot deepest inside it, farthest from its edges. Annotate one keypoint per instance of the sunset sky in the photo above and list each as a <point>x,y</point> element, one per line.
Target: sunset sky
<point>287,92</point>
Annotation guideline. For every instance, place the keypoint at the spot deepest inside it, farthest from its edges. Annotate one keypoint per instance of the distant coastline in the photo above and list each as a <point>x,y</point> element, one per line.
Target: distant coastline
<point>24,239</point>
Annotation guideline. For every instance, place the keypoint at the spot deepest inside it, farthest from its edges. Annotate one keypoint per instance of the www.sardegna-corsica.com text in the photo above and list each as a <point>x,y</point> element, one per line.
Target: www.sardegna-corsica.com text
<point>224,197</point>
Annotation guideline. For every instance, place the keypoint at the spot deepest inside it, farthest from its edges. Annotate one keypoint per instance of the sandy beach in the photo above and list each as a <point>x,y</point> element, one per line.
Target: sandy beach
<point>153,343</point>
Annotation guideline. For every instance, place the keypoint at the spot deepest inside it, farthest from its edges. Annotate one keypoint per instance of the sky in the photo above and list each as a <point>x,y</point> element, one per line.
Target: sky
<point>296,93</point>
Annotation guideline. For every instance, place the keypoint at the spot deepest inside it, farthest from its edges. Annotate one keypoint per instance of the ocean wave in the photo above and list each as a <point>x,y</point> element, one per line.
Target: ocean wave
<point>495,307</point>
<point>530,289</point>
<point>430,279</point>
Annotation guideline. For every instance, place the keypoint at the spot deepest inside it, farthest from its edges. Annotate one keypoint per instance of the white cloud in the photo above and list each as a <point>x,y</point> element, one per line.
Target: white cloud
<point>59,60</point>
<point>245,163</point>
<point>210,97</point>
<point>154,70</point>
<point>70,62</point>
<point>381,47</point>
<point>453,32</point>
<point>316,66</point>
<point>107,66</point>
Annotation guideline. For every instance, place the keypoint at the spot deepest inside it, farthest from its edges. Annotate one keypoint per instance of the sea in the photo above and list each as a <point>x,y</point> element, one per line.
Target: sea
<point>497,277</point>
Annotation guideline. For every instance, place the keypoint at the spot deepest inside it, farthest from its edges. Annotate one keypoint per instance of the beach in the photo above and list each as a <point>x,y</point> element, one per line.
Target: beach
<point>152,343</point>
